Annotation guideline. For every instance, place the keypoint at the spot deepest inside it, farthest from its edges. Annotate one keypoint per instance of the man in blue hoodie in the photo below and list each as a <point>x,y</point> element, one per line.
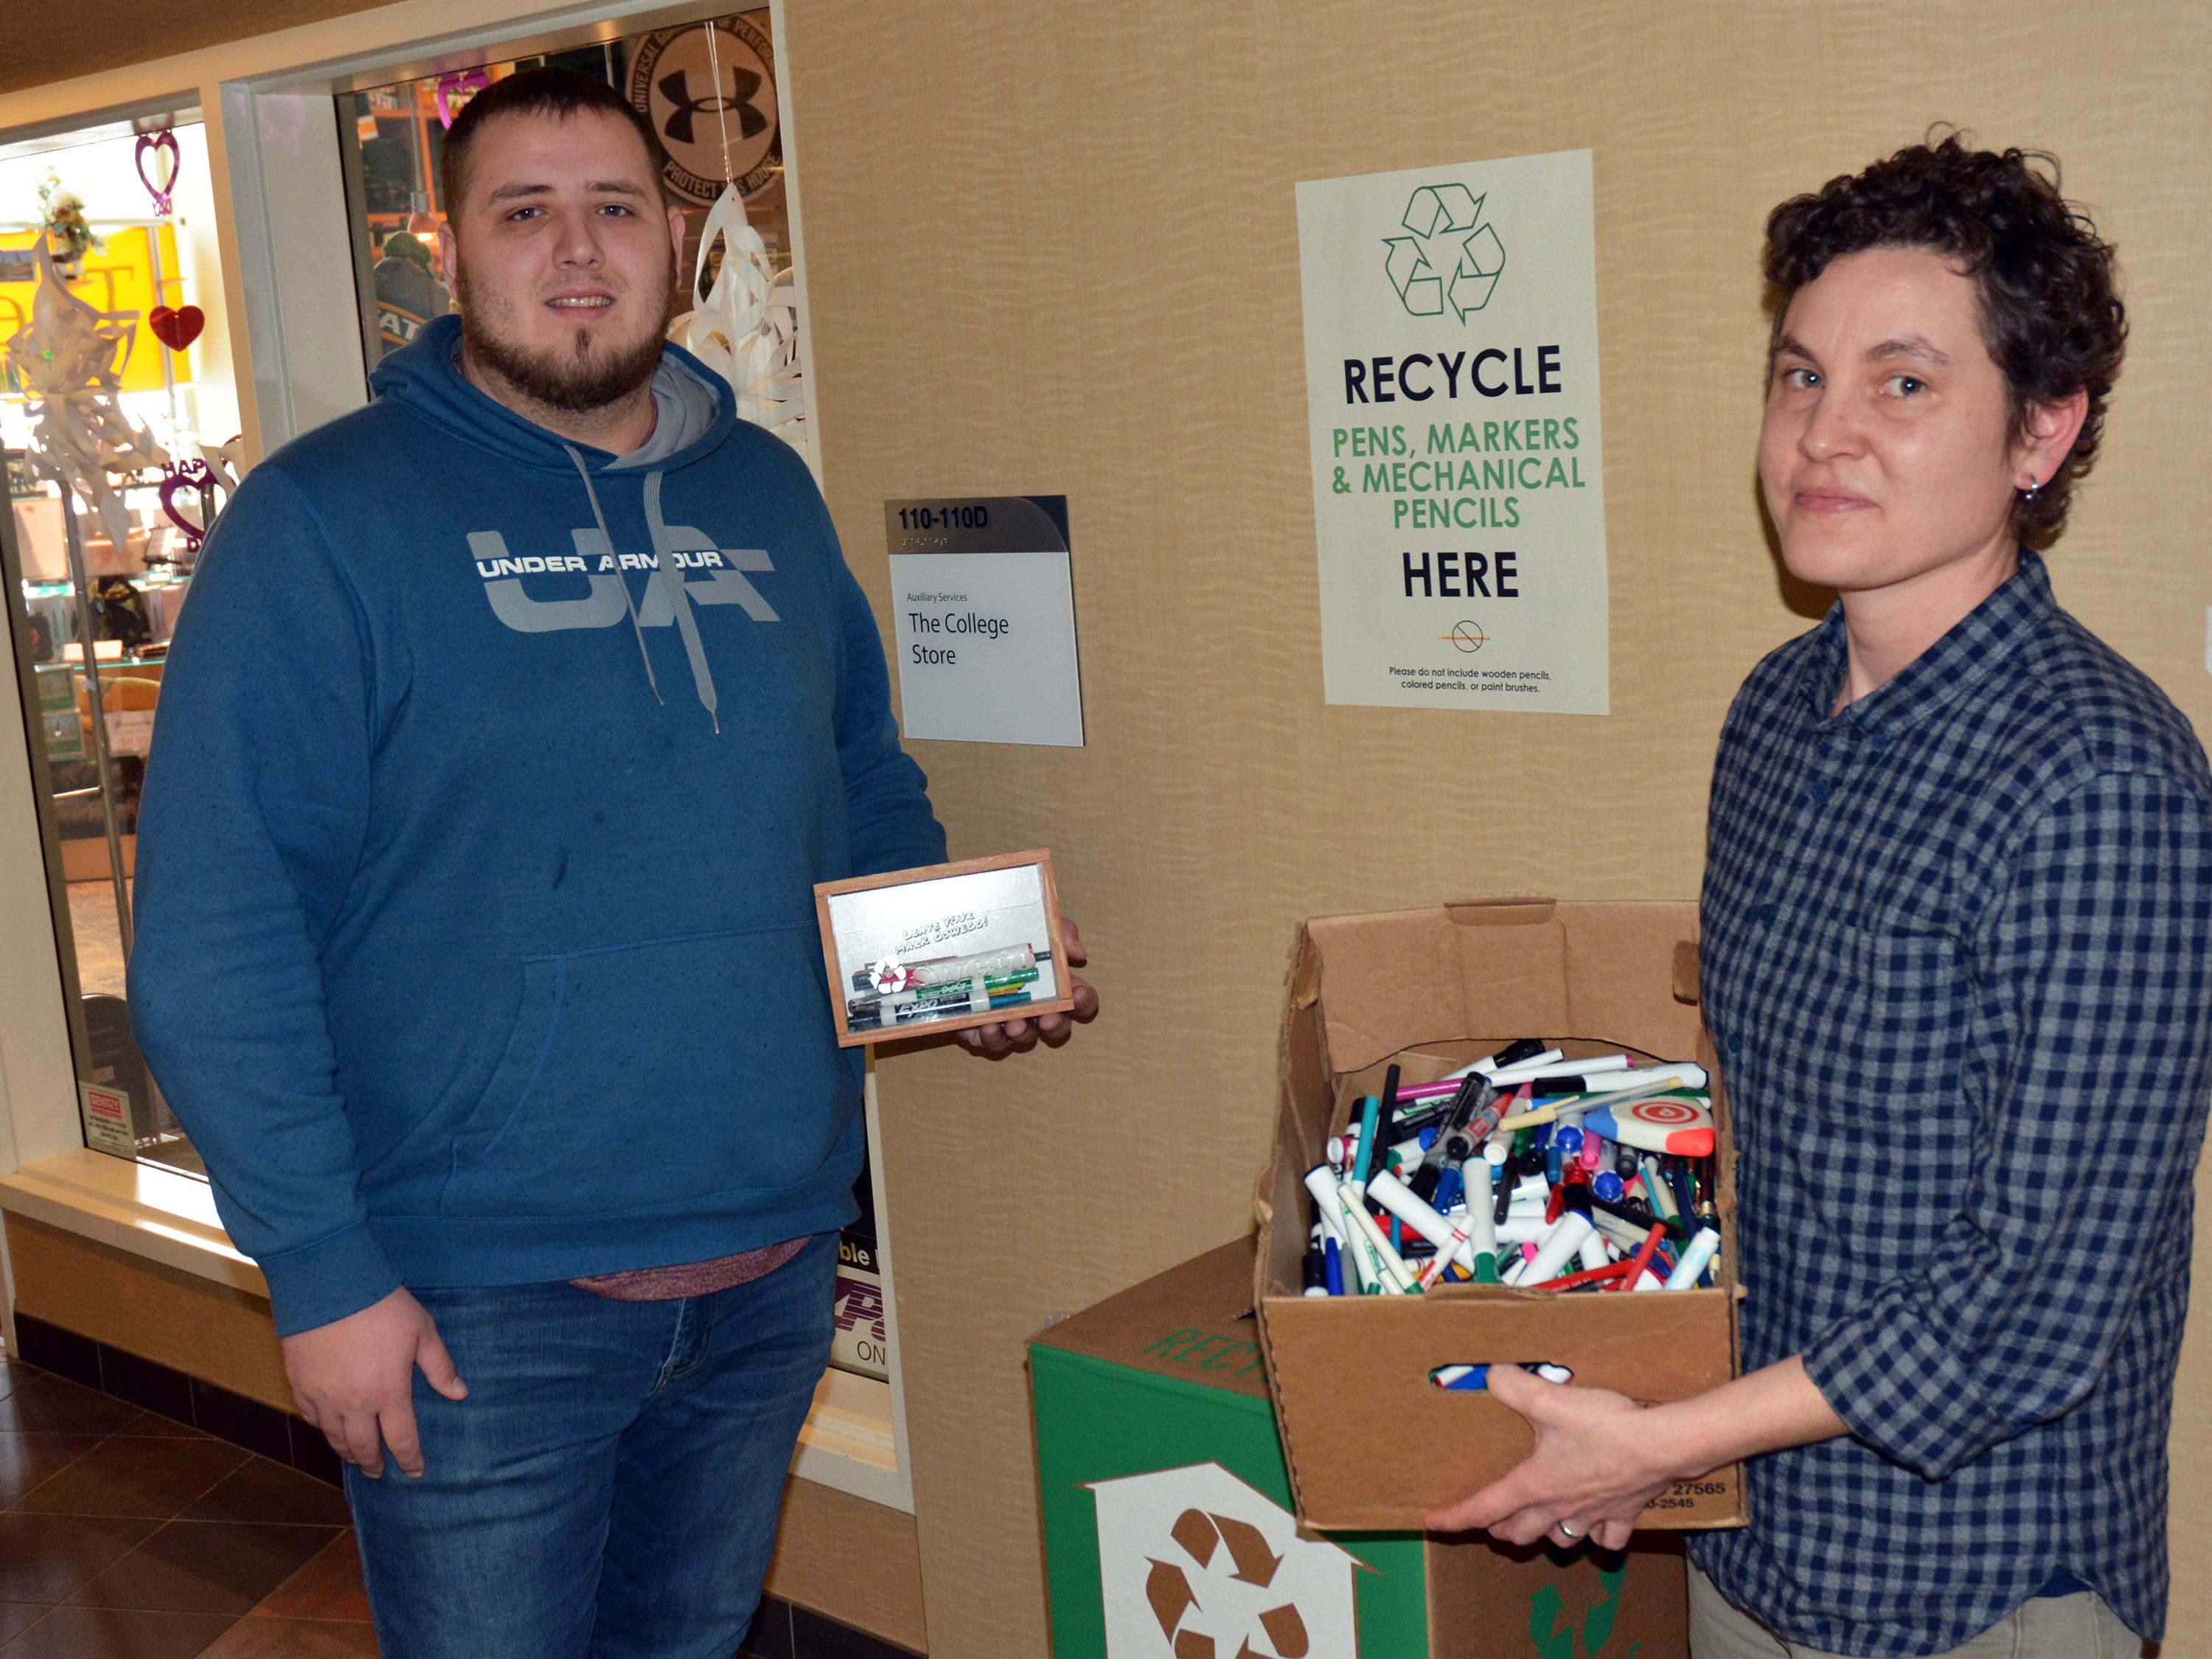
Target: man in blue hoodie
<point>477,947</point>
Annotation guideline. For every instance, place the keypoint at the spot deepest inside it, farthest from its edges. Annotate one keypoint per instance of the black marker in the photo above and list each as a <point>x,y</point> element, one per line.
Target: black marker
<point>1516,1052</point>
<point>1633,1213</point>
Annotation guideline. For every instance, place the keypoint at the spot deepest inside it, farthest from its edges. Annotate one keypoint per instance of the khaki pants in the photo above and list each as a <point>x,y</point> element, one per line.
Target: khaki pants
<point>2049,1627</point>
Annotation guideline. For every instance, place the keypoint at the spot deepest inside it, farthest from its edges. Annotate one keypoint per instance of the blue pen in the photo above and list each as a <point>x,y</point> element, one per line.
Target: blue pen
<point>1565,1143</point>
<point>1335,1269</point>
<point>1449,1188</point>
<point>1678,1177</point>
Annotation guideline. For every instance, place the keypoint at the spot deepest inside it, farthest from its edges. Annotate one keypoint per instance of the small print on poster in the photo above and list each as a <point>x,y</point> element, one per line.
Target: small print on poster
<point>1458,460</point>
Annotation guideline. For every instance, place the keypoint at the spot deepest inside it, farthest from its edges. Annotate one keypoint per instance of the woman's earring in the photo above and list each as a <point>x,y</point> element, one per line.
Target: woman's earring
<point>2033,489</point>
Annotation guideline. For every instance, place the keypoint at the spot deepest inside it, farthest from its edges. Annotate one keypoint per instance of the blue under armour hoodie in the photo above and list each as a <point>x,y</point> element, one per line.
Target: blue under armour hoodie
<point>477,940</point>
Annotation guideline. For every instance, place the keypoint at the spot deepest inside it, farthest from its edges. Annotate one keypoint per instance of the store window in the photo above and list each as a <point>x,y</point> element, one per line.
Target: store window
<point>710,90</point>
<point>120,417</point>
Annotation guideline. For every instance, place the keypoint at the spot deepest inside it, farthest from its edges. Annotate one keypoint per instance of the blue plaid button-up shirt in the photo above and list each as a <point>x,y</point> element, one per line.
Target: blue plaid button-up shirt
<point>1958,969</point>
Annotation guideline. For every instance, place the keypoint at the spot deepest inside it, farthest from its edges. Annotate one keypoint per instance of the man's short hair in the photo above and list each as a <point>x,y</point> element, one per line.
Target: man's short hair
<point>2052,315</point>
<point>545,90</point>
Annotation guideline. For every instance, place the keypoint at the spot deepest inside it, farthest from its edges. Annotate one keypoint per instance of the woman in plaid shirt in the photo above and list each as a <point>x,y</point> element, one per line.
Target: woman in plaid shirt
<point>1958,967</point>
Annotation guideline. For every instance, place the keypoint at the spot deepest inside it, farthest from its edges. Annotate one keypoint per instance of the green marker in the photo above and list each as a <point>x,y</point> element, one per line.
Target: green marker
<point>1370,1111</point>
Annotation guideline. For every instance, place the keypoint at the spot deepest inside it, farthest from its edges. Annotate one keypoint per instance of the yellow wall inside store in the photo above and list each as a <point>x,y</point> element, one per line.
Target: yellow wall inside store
<point>1054,248</point>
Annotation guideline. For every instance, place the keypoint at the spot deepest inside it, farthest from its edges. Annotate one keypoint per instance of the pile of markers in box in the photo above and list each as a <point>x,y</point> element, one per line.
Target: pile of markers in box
<point>1524,1168</point>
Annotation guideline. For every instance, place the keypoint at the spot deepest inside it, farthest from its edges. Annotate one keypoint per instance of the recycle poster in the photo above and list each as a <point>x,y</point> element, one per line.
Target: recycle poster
<point>1458,458</point>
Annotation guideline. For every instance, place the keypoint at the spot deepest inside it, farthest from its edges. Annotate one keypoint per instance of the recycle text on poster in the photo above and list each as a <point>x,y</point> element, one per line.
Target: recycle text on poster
<point>1458,462</point>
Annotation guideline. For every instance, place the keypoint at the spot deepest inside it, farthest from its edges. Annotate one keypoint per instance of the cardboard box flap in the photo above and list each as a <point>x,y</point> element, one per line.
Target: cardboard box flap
<point>1525,966</point>
<point>1622,976</point>
<point>1193,1323</point>
<point>1388,983</point>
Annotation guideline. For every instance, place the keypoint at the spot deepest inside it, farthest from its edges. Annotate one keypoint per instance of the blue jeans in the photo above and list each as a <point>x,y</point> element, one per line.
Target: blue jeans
<point>609,1488</point>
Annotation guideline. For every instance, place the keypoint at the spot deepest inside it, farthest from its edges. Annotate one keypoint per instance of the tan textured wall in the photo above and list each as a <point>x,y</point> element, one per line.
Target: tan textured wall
<point>1051,247</point>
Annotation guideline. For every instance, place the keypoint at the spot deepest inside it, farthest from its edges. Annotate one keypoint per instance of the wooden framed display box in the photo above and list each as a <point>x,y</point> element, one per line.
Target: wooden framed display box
<point>942,948</point>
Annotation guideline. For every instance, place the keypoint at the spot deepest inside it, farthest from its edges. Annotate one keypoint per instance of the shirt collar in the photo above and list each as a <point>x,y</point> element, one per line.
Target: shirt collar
<point>1947,669</point>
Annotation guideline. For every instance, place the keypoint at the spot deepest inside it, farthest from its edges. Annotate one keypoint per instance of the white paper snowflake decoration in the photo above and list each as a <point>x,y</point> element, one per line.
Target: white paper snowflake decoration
<point>70,361</point>
<point>747,327</point>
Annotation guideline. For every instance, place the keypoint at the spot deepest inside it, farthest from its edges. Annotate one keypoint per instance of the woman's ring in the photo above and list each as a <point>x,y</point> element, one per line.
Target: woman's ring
<point>1568,1532</point>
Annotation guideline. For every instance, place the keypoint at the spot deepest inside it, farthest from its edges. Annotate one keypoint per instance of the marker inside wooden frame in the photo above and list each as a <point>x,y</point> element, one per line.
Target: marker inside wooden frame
<point>888,976</point>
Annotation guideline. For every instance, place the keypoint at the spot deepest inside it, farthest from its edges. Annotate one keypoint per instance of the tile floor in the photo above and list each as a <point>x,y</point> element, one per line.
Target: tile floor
<point>126,1534</point>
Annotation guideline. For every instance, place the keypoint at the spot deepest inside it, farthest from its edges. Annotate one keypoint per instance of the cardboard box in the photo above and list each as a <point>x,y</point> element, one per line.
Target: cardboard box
<point>1351,1374</point>
<point>1167,1533</point>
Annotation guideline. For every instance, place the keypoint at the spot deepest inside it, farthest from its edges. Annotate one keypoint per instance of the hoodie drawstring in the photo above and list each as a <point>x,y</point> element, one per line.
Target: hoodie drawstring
<point>671,581</point>
<point>608,542</point>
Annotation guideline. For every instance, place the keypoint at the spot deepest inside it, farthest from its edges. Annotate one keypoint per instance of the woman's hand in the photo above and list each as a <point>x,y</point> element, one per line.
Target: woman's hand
<point>1600,1456</point>
<point>1597,1463</point>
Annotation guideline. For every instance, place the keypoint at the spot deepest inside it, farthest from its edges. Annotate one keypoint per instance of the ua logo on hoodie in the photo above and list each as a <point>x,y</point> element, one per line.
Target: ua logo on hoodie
<point>677,547</point>
<point>713,578</point>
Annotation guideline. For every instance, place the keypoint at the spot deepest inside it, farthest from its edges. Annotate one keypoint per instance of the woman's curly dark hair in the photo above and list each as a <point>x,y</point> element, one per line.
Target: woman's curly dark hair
<point>2052,315</point>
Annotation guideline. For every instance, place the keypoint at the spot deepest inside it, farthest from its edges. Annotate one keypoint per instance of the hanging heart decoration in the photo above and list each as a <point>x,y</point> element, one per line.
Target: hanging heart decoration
<point>451,85</point>
<point>176,327</point>
<point>177,477</point>
<point>159,145</point>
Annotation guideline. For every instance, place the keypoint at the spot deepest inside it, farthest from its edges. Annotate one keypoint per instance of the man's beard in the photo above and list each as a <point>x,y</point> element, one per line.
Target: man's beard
<point>596,374</point>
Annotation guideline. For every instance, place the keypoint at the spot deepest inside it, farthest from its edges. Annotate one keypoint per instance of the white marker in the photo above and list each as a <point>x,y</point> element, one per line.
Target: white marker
<point>1681,1074</point>
<point>1391,1266</point>
<point>1520,1227</point>
<point>1692,1264</point>
<point>1624,1233</point>
<point>1476,1176</point>
<point>1534,1065</point>
<point>1591,1066</point>
<point>1554,1251</point>
<point>1410,1207</point>
<point>1321,1182</point>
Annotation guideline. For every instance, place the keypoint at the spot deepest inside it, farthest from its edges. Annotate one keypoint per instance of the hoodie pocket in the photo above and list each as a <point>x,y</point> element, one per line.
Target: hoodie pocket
<point>642,1076</point>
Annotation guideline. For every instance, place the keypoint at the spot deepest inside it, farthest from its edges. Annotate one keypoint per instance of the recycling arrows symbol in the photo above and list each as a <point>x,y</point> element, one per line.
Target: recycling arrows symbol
<point>1448,255</point>
<point>1168,1588</point>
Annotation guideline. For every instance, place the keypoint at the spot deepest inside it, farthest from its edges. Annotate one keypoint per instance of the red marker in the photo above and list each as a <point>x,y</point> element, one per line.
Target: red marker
<point>1588,1276</point>
<point>1642,1258</point>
